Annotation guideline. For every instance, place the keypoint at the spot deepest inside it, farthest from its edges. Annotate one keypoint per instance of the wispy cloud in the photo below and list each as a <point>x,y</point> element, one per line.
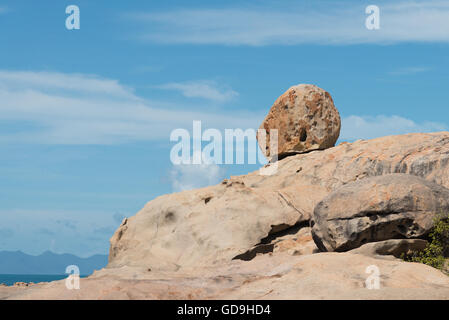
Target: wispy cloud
<point>324,22</point>
<point>58,108</point>
<point>205,89</point>
<point>409,71</point>
<point>192,176</point>
<point>67,83</point>
<point>358,127</point>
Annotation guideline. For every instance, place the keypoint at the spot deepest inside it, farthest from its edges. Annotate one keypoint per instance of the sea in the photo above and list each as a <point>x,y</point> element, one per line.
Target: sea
<point>10,279</point>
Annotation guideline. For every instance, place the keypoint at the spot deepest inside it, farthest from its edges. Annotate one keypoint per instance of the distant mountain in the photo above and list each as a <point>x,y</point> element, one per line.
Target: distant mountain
<point>17,262</point>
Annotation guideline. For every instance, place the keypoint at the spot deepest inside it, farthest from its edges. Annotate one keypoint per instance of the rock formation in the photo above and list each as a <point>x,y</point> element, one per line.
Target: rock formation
<point>377,208</point>
<point>328,275</point>
<point>258,237</point>
<point>392,247</point>
<point>213,225</point>
<point>306,119</point>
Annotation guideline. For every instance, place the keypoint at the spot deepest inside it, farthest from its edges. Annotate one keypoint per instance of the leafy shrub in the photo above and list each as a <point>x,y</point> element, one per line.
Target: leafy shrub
<point>437,251</point>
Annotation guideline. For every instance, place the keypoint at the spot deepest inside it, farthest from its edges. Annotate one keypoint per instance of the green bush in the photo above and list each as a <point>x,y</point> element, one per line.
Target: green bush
<point>437,251</point>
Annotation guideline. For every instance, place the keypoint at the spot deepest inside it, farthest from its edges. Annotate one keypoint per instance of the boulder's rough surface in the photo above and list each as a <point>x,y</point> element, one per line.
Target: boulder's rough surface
<point>392,247</point>
<point>204,226</point>
<point>296,240</point>
<point>215,224</point>
<point>181,246</point>
<point>377,208</point>
<point>306,119</point>
<point>271,276</point>
<point>258,236</point>
<point>300,243</point>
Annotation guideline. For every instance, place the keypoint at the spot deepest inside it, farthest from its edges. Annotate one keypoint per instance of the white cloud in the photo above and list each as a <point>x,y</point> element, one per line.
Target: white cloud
<point>67,83</point>
<point>193,176</point>
<point>209,90</point>
<point>57,108</point>
<point>60,108</point>
<point>322,23</point>
<point>357,127</point>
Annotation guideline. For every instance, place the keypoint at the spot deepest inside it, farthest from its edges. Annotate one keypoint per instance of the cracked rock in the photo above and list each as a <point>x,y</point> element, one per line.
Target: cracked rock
<point>394,206</point>
<point>306,120</point>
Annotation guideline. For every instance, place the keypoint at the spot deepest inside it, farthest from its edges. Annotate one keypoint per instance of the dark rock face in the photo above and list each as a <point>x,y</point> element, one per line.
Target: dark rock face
<point>393,247</point>
<point>393,206</point>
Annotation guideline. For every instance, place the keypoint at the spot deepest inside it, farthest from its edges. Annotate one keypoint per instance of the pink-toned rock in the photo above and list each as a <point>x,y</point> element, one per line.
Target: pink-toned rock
<point>306,119</point>
<point>271,276</point>
<point>392,247</point>
<point>213,225</point>
<point>300,243</point>
<point>189,239</point>
<point>378,208</point>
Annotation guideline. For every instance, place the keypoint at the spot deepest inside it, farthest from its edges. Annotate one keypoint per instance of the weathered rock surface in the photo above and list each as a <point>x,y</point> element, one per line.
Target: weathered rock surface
<point>300,243</point>
<point>392,247</point>
<point>306,119</point>
<point>258,236</point>
<point>198,233</point>
<point>296,240</point>
<point>215,224</point>
<point>271,276</point>
<point>377,208</point>
<point>198,227</point>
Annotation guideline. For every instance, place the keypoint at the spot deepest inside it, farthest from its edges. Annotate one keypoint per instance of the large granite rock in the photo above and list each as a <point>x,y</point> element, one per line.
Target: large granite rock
<point>377,208</point>
<point>392,247</point>
<point>327,275</point>
<point>250,236</point>
<point>181,246</point>
<point>213,225</point>
<point>204,226</point>
<point>306,119</point>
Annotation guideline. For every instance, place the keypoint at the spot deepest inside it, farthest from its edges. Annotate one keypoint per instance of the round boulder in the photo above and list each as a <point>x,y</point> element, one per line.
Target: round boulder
<point>393,206</point>
<point>306,120</point>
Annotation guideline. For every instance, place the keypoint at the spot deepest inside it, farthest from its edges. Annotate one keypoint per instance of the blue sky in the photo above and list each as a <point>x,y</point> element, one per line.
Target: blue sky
<point>86,115</point>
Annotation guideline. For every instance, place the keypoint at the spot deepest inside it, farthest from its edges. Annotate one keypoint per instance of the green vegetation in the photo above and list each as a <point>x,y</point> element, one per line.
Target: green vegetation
<point>437,251</point>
